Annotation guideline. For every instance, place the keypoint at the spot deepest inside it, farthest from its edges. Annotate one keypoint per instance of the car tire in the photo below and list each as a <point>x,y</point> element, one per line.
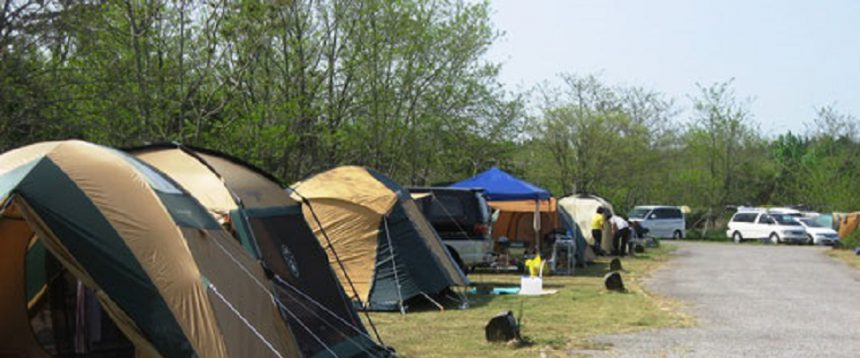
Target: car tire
<point>774,238</point>
<point>677,235</point>
<point>737,238</point>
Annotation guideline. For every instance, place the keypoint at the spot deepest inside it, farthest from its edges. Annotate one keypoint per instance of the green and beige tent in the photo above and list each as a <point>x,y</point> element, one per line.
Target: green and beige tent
<point>583,207</point>
<point>388,249</point>
<point>146,267</point>
<point>270,225</point>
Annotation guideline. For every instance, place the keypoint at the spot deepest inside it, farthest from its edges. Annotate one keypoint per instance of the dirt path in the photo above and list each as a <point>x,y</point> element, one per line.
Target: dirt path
<point>753,301</point>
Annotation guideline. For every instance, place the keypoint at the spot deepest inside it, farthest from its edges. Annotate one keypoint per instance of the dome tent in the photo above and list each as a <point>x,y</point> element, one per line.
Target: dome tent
<point>270,226</point>
<point>388,248</point>
<point>164,272</point>
<point>583,207</point>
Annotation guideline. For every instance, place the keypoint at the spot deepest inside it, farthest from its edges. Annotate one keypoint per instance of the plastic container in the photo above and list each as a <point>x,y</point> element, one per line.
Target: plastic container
<point>531,285</point>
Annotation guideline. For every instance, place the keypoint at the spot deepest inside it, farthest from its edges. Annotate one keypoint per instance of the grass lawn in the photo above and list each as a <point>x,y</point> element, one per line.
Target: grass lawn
<point>846,256</point>
<point>551,324</point>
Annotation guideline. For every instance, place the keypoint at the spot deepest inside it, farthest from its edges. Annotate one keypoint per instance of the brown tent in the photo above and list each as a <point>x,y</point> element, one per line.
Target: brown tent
<point>147,269</point>
<point>386,245</point>
<point>270,225</point>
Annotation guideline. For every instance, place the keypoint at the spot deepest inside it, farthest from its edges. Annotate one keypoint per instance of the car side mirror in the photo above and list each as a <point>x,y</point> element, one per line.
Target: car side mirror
<point>652,216</point>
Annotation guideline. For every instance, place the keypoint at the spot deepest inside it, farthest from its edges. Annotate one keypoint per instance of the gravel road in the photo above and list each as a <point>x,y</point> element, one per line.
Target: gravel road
<point>753,301</point>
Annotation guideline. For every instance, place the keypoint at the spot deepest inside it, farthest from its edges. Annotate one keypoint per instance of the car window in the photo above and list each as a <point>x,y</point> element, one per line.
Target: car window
<point>446,207</point>
<point>483,207</point>
<point>812,223</point>
<point>765,219</point>
<point>744,217</point>
<point>785,219</point>
<point>638,213</point>
<point>668,213</point>
<point>826,220</point>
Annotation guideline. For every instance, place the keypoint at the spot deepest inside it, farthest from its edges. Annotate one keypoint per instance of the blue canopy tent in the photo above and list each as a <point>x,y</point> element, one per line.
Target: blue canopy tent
<point>519,202</point>
<point>499,185</point>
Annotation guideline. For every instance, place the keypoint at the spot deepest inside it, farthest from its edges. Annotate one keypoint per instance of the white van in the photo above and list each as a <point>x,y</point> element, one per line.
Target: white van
<point>660,220</point>
<point>775,227</point>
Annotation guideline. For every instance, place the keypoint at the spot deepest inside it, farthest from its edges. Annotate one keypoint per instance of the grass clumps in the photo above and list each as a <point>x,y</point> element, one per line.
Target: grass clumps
<point>552,324</point>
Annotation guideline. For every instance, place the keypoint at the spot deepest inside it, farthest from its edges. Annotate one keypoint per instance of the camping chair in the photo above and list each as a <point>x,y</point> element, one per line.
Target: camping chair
<point>563,259</point>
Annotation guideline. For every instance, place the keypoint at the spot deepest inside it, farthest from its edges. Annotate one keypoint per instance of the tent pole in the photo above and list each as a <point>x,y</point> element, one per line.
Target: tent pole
<point>364,305</point>
<point>441,308</point>
<point>536,226</point>
<point>394,264</point>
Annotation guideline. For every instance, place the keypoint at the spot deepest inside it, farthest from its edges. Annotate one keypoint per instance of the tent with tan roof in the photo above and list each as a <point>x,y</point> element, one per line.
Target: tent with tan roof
<point>270,225</point>
<point>583,207</point>
<point>388,248</point>
<point>102,255</point>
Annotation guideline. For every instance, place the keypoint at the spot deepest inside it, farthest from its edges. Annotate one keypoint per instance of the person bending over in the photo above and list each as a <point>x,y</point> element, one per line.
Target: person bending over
<point>620,235</point>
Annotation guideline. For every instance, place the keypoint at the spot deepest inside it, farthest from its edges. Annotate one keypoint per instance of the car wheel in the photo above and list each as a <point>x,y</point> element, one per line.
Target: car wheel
<point>737,238</point>
<point>774,238</point>
<point>677,235</point>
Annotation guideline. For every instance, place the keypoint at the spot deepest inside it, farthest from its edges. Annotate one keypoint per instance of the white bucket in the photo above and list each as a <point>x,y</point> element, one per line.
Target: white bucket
<point>531,285</point>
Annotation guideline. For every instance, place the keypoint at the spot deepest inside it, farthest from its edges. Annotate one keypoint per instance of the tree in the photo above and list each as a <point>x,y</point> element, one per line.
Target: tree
<point>602,139</point>
<point>725,153</point>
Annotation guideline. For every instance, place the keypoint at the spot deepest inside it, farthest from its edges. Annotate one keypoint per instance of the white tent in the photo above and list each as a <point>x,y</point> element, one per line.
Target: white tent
<point>582,207</point>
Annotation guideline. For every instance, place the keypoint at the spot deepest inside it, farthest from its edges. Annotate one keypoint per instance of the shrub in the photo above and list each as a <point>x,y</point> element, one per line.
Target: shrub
<point>852,241</point>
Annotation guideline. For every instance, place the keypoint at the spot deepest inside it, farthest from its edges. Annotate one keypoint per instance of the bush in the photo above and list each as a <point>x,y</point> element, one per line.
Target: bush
<point>852,240</point>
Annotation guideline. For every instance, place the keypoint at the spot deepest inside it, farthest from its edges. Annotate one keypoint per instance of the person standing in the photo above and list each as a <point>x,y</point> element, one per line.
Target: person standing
<point>597,222</point>
<point>620,235</point>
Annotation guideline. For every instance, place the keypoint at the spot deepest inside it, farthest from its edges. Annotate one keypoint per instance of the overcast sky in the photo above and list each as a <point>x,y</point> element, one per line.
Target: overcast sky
<point>788,56</point>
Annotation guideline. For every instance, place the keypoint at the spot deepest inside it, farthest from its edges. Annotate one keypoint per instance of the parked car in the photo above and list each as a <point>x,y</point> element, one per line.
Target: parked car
<point>817,233</point>
<point>462,219</point>
<point>747,225</point>
<point>660,220</point>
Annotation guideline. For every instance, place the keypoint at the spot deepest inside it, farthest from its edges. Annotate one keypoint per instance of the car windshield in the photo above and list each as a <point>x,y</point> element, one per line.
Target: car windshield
<point>811,223</point>
<point>638,213</point>
<point>785,219</point>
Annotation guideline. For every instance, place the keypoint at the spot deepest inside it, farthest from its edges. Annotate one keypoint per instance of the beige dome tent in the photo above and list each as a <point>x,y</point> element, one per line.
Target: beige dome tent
<point>135,255</point>
<point>271,227</point>
<point>390,251</point>
<point>582,207</point>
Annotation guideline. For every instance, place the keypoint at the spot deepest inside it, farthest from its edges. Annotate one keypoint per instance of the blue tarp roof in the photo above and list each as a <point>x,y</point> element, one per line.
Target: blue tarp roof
<point>501,186</point>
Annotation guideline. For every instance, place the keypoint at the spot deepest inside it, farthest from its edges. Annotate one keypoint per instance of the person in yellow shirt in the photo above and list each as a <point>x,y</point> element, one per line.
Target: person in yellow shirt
<point>597,229</point>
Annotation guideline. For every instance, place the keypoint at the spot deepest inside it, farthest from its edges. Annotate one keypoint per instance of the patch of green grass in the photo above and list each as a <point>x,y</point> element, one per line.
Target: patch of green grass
<point>717,236</point>
<point>847,256</point>
<point>551,324</point>
<point>708,235</point>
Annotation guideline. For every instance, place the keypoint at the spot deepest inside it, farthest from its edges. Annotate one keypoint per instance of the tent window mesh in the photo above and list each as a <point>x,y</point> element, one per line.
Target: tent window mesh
<point>65,316</point>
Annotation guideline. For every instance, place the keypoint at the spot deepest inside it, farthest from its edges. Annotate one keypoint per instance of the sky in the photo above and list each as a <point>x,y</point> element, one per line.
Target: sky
<point>787,57</point>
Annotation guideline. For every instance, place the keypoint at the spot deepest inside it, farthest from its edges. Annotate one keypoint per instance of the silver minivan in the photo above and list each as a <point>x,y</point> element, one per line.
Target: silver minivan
<point>661,221</point>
